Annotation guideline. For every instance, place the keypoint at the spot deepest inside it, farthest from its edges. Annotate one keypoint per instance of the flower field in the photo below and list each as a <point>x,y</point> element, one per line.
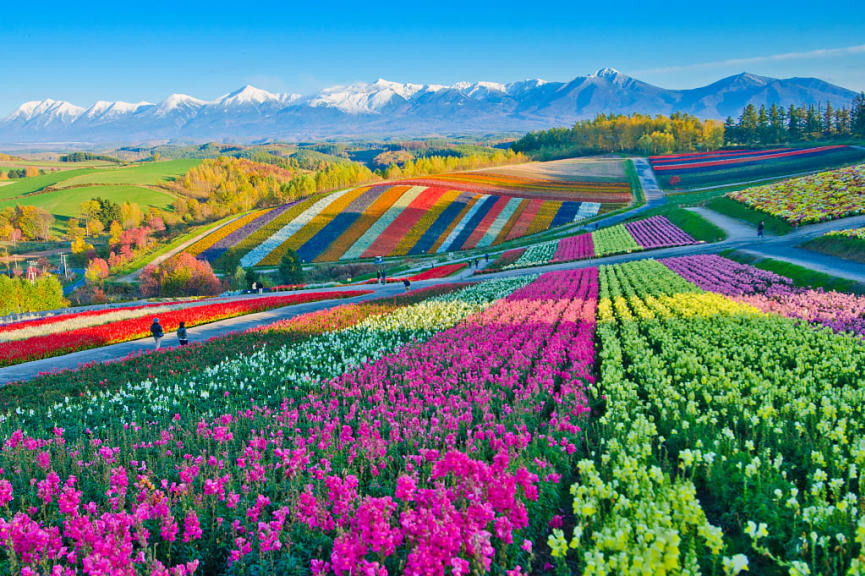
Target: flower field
<point>733,166</point>
<point>73,332</point>
<point>815,198</point>
<point>412,217</point>
<point>612,420</point>
<point>646,234</point>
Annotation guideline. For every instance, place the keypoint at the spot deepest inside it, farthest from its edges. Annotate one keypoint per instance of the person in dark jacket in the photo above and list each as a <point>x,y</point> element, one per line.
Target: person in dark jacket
<point>156,331</point>
<point>407,284</point>
<point>760,228</point>
<point>181,334</point>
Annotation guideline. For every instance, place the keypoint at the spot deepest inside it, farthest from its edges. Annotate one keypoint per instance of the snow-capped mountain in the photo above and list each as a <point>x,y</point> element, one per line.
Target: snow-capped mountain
<point>384,107</point>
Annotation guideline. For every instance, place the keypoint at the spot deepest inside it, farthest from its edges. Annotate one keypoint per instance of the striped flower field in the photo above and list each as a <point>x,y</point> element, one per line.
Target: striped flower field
<point>426,216</point>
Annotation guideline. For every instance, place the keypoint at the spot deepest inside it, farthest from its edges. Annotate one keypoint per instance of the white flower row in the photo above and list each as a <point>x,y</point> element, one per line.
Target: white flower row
<point>365,241</point>
<point>587,210</point>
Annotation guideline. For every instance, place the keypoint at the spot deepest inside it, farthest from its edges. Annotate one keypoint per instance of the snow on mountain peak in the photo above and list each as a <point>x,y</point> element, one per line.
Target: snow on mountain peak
<point>363,97</point>
<point>49,109</point>
<point>249,95</point>
<point>106,109</point>
<point>605,72</point>
<point>176,101</point>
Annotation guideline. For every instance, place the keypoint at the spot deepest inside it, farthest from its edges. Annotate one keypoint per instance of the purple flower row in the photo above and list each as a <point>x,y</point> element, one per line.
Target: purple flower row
<point>658,232</point>
<point>772,293</point>
<point>575,248</point>
<point>218,248</point>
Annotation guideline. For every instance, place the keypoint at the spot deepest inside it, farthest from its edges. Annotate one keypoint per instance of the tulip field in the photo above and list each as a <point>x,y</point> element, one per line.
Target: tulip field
<point>412,217</point>
<point>646,234</point>
<point>699,169</point>
<point>688,415</point>
<point>815,198</point>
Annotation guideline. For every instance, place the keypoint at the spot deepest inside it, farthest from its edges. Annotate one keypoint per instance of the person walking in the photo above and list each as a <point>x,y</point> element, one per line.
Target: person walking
<point>407,284</point>
<point>156,331</point>
<point>182,337</point>
<point>487,257</point>
<point>760,227</point>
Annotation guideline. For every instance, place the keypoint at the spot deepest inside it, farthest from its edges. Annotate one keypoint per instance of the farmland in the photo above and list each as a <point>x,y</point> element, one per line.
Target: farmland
<point>720,168</point>
<point>506,409</point>
<point>428,215</point>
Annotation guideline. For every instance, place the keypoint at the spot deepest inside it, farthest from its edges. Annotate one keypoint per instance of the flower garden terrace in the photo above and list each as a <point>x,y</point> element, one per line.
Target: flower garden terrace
<point>413,217</point>
<point>602,420</point>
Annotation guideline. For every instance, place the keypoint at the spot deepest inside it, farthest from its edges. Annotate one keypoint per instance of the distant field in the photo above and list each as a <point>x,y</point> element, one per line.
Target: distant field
<point>65,203</point>
<point>27,186</point>
<point>571,169</point>
<point>705,169</point>
<point>150,174</point>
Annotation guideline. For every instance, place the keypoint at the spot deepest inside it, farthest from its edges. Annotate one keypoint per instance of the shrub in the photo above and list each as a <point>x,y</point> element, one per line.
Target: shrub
<point>181,275</point>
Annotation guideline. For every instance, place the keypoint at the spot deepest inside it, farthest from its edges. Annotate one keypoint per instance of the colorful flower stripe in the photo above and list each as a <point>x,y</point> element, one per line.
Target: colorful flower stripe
<point>702,391</point>
<point>273,222</point>
<point>437,272</point>
<point>467,216</point>
<point>503,262</point>
<point>507,185</point>
<point>657,232</point>
<point>445,218</point>
<point>363,243</point>
<point>497,227</point>
<point>587,210</point>
<point>481,226</point>
<point>536,255</point>
<point>390,238</point>
<point>299,240</point>
<point>367,218</point>
<point>257,254</point>
<point>544,217</point>
<point>316,247</point>
<point>614,240</point>
<point>135,328</point>
<point>574,248</point>
<point>726,161</point>
<point>698,156</point>
<point>815,198</point>
<point>470,201</point>
<point>223,231</point>
<point>566,214</point>
<point>512,221</point>
<point>237,238</point>
<point>423,224</point>
<point>772,293</point>
<point>525,218</point>
<point>849,233</point>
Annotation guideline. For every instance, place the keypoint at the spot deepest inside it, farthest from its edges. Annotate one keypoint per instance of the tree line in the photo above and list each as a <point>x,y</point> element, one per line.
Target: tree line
<point>679,132</point>
<point>776,125</point>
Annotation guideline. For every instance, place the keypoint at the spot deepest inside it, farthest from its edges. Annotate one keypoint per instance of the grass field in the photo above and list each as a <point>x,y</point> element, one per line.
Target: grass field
<point>65,203</point>
<point>695,225</point>
<point>27,186</point>
<point>150,174</point>
<point>739,211</point>
<point>846,247</point>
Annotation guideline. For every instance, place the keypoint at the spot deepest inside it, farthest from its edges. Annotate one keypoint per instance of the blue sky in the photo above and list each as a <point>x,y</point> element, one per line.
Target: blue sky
<point>146,51</point>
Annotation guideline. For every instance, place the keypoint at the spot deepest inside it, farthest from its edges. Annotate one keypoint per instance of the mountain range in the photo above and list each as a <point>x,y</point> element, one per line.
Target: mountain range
<point>392,108</point>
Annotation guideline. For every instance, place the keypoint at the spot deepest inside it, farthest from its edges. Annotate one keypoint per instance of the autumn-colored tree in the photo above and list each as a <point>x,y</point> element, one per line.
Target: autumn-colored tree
<point>31,171</point>
<point>114,232</point>
<point>74,229</point>
<point>96,271</point>
<point>96,227</point>
<point>181,275</point>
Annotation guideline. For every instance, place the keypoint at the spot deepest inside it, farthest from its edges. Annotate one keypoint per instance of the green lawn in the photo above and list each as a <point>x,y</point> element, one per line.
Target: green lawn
<point>149,174</point>
<point>801,276</point>
<point>695,225</point>
<point>26,186</point>
<point>66,203</point>
<point>739,211</point>
<point>846,247</point>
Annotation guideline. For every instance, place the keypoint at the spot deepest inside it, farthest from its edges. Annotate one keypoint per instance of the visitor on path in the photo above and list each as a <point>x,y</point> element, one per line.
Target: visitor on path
<point>407,284</point>
<point>487,257</point>
<point>760,227</point>
<point>181,334</point>
<point>156,330</point>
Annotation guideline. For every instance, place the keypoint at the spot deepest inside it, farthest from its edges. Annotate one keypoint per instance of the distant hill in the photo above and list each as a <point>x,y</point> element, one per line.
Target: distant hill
<point>392,108</point>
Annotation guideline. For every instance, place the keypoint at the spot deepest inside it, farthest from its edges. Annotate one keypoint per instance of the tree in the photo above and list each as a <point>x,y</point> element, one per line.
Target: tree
<point>90,212</point>
<point>239,279</point>
<point>228,261</point>
<point>181,275</point>
<point>96,227</point>
<point>291,268</point>
<point>74,229</point>
<point>96,271</point>
<point>114,232</point>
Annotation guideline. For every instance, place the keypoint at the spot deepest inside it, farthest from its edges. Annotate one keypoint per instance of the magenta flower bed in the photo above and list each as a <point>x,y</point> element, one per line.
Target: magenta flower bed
<point>446,453</point>
<point>772,293</point>
<point>575,248</point>
<point>658,232</point>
